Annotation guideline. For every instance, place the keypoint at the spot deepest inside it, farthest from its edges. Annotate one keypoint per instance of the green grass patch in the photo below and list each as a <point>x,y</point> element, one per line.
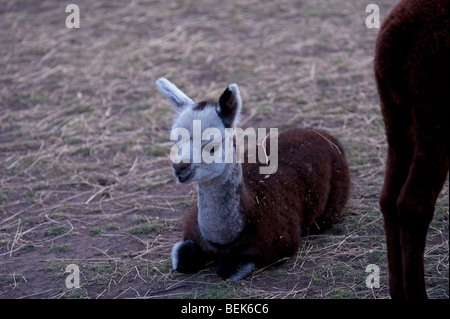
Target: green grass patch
<point>150,227</point>
<point>55,231</point>
<point>63,248</point>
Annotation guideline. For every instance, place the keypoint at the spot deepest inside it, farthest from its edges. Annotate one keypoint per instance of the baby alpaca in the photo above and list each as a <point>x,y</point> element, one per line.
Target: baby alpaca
<point>245,220</point>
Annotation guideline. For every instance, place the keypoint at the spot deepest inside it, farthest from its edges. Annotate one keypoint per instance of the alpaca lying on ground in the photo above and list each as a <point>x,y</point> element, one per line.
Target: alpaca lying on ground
<point>412,74</point>
<point>244,219</point>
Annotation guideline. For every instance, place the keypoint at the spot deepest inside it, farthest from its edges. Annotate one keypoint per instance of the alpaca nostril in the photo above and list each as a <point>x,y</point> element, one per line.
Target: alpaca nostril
<point>180,167</point>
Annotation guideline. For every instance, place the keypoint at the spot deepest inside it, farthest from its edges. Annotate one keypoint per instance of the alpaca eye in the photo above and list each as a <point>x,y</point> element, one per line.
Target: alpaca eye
<point>209,148</point>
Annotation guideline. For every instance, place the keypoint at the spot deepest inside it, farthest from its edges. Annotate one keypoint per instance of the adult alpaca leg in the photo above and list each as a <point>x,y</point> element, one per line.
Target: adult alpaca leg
<point>426,178</point>
<point>416,205</point>
<point>399,158</point>
<point>416,169</point>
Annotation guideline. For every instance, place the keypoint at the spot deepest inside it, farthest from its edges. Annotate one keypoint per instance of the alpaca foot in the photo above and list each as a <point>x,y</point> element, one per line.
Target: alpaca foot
<point>187,256</point>
<point>242,271</point>
<point>231,269</point>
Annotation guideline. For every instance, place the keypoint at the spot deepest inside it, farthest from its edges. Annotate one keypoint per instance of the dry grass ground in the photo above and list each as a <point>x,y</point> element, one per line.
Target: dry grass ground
<point>85,176</point>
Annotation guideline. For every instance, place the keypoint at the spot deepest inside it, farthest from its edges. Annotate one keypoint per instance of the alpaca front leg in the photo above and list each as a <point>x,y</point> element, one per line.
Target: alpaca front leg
<point>416,205</point>
<point>231,267</point>
<point>397,168</point>
<point>187,256</point>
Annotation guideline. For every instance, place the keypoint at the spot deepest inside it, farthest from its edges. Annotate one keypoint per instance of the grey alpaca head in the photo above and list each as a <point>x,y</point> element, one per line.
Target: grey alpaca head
<point>201,156</point>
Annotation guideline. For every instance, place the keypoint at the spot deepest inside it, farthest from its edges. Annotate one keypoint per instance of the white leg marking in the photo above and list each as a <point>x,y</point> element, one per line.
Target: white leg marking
<point>174,254</point>
<point>242,271</point>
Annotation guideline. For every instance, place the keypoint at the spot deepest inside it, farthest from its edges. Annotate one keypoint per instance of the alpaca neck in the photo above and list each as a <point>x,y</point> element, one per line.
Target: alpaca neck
<point>219,206</point>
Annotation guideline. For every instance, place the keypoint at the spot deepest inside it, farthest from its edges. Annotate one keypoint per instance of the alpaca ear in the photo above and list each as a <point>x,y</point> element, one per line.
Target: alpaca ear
<point>175,96</point>
<point>230,105</point>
